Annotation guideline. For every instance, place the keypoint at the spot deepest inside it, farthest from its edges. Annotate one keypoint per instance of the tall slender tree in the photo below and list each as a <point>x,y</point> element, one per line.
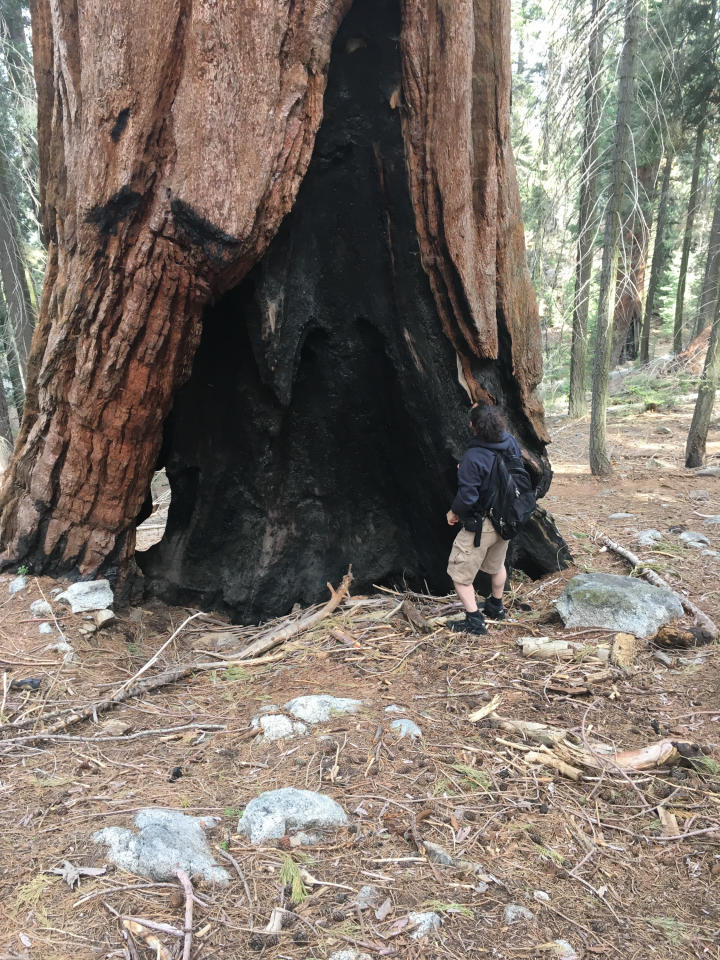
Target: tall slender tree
<point>577,406</point>
<point>688,234</point>
<point>599,459</point>
<point>709,290</point>
<point>700,424</point>
<point>658,258</point>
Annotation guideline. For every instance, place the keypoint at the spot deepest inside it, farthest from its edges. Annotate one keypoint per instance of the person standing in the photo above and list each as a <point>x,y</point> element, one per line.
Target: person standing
<point>479,549</point>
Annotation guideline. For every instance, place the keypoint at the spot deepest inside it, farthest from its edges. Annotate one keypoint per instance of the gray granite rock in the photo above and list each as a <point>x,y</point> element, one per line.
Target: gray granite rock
<point>710,553</point>
<point>620,516</point>
<point>368,896</point>
<point>87,595</point>
<point>694,539</point>
<point>18,584</point>
<point>617,603</point>
<point>166,839</point>
<point>426,924</point>
<point>648,538</point>
<point>276,726</point>
<point>40,608</point>
<point>699,495</point>
<point>514,913</point>
<point>712,520</point>
<point>277,812</point>
<point>45,628</point>
<point>406,728</point>
<point>319,708</point>
<point>708,472</point>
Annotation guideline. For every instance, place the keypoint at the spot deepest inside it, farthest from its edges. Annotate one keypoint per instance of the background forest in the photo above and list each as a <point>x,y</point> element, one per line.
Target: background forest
<point>615,133</point>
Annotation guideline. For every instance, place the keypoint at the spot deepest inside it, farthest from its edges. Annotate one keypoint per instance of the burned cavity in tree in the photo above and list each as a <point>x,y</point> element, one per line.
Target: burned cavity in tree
<point>323,420</point>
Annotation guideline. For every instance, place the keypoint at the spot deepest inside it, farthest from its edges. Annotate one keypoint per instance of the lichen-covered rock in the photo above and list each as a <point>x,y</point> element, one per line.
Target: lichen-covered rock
<point>617,603</point>
<point>275,726</point>
<point>277,812</point>
<point>321,707</point>
<point>166,839</point>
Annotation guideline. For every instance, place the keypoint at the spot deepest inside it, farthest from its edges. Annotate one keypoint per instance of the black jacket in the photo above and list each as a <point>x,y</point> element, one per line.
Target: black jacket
<point>474,472</point>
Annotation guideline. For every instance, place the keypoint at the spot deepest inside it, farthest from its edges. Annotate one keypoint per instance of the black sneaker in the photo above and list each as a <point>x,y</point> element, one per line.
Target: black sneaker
<point>473,623</point>
<point>494,609</point>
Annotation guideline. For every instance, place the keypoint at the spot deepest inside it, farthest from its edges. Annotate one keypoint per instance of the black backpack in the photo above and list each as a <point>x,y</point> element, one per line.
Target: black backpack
<point>510,498</point>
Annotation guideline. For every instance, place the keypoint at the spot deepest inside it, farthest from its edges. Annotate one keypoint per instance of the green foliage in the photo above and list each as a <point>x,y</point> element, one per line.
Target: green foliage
<point>234,673</point>
<point>475,778</point>
<point>438,906</point>
<point>290,877</point>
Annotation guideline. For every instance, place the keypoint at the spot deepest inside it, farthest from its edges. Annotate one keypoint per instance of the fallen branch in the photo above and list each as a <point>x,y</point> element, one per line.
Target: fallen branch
<point>548,758</point>
<point>275,637</point>
<point>701,618</point>
<point>138,930</point>
<point>187,887</point>
<point>239,871</point>
<point>544,648</point>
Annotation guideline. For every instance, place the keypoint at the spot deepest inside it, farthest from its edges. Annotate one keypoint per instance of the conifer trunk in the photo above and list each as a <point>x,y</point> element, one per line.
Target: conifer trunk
<point>631,275</point>
<point>709,289</point>
<point>693,200</point>
<point>587,221</point>
<point>599,459</point>
<point>700,424</point>
<point>658,257</point>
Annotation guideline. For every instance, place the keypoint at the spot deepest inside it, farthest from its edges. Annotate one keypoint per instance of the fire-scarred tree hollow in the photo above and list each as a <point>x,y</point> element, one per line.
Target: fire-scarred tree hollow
<point>322,199</point>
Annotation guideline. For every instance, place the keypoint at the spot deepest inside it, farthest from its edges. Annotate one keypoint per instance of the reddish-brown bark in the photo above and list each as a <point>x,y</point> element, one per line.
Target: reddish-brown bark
<point>173,141</point>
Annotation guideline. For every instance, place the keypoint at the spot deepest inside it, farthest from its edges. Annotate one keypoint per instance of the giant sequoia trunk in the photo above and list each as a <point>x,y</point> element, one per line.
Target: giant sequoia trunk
<point>349,262</point>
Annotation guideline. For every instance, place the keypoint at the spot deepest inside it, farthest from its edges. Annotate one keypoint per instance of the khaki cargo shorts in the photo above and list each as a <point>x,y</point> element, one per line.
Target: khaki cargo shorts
<point>466,560</point>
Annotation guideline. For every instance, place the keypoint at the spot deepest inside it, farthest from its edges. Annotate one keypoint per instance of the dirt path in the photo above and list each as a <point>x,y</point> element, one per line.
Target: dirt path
<point>592,860</point>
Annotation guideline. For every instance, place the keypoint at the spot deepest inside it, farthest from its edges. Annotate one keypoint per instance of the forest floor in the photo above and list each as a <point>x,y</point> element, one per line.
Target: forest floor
<point>615,864</point>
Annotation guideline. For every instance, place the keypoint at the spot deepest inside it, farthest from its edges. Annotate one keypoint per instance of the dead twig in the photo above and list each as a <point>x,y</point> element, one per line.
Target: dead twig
<point>239,871</point>
<point>187,887</point>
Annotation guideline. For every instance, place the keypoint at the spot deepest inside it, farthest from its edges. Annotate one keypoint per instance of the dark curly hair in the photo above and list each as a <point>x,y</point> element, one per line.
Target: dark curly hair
<point>487,422</point>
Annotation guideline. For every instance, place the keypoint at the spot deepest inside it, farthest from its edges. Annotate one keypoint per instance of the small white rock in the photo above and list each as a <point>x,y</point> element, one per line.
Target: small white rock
<point>406,728</point>
<point>620,516</point>
<point>18,584</point>
<point>425,924</point>
<point>563,950</point>
<point>541,896</point>
<point>45,628</point>
<point>87,595</point>
<point>321,707</point>
<point>275,726</point>
<point>40,608</point>
<point>514,913</point>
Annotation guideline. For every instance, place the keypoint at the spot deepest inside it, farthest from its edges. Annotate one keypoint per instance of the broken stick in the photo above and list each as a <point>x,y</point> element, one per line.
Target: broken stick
<point>701,618</point>
<point>187,887</point>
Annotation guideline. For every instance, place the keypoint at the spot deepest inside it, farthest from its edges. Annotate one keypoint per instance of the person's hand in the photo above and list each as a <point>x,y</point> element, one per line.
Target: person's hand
<point>452,518</point>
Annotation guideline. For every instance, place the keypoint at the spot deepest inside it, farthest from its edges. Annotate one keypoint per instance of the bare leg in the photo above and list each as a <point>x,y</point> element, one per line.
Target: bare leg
<point>466,592</point>
<point>497,581</point>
